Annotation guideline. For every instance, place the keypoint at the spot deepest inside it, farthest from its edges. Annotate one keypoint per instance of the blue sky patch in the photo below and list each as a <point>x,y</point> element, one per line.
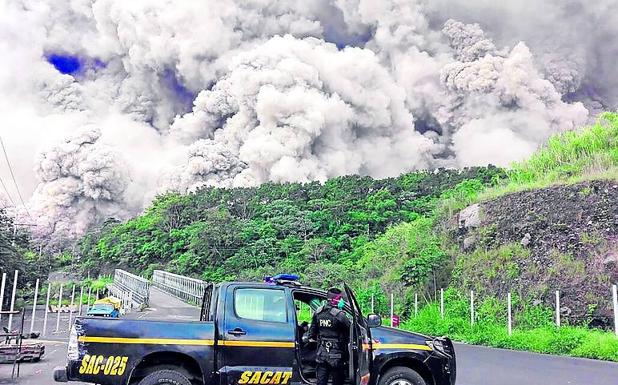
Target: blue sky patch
<point>66,64</point>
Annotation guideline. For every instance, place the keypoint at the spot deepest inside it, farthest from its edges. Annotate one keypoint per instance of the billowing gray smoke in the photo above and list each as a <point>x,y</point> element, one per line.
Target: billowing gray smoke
<point>299,110</point>
<point>237,93</point>
<point>80,179</point>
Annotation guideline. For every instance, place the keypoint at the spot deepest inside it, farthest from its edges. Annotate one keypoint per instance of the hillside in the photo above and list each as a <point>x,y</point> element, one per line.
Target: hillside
<point>246,233</point>
<point>534,242</point>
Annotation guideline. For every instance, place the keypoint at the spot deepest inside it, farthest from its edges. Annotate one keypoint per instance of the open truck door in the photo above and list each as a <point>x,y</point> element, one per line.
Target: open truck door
<point>360,343</point>
<point>206,313</point>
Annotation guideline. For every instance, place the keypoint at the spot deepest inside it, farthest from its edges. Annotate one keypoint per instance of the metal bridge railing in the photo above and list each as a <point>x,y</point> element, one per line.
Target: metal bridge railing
<point>190,290</point>
<point>138,287</point>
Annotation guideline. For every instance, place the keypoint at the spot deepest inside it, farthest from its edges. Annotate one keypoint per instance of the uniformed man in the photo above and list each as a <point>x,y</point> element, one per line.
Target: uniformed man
<point>331,327</point>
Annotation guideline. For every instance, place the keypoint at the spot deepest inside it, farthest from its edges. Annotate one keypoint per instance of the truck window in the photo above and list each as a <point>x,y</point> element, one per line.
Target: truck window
<point>261,304</point>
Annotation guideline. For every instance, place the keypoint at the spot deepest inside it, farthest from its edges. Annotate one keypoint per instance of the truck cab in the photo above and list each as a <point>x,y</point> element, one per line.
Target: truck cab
<point>248,334</point>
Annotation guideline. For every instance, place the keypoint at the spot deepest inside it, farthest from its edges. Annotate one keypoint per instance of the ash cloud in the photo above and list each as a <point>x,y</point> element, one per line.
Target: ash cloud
<point>300,110</point>
<point>238,93</point>
<point>82,181</point>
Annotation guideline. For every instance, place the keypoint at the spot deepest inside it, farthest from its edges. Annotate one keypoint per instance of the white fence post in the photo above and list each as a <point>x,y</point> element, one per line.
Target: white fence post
<point>392,309</point>
<point>88,300</point>
<point>59,306</point>
<point>441,303</point>
<point>36,297</point>
<point>509,325</point>
<point>615,299</point>
<point>509,311</point>
<point>81,295</point>
<point>46,308</point>
<point>558,308</point>
<point>2,292</point>
<point>71,306</point>
<point>415,304</point>
<point>13,299</point>
<point>471,307</point>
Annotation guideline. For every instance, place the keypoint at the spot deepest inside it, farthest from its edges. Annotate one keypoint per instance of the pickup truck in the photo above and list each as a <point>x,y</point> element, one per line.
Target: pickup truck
<point>249,334</point>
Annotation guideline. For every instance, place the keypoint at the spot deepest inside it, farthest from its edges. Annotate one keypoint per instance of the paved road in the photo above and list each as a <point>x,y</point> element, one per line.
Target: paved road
<point>479,365</point>
<point>476,365</point>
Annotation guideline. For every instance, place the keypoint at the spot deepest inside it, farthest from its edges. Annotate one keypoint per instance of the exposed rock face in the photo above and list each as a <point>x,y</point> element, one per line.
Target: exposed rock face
<point>470,217</point>
<point>571,232</point>
<point>525,241</point>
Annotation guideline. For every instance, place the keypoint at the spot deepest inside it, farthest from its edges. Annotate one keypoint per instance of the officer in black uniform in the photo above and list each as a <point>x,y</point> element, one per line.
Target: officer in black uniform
<point>331,328</point>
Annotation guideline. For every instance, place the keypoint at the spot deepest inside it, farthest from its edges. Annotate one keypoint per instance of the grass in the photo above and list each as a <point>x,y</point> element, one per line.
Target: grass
<point>533,329</point>
<point>570,157</point>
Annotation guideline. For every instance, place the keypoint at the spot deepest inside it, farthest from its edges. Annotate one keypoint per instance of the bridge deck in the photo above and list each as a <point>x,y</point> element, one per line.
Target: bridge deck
<point>165,306</point>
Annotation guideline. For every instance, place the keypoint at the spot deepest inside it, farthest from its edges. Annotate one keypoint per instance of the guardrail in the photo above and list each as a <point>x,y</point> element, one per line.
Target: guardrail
<point>190,290</point>
<point>138,288</point>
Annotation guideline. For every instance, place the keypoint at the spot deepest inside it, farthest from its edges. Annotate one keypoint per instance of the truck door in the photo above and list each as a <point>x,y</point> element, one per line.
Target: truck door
<point>360,343</point>
<point>257,341</point>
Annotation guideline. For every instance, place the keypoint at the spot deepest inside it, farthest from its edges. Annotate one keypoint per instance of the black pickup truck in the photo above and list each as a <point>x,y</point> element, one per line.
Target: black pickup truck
<point>249,334</point>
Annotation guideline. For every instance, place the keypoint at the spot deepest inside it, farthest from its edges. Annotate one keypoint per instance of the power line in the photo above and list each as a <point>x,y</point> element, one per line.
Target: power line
<point>14,180</point>
<point>6,191</point>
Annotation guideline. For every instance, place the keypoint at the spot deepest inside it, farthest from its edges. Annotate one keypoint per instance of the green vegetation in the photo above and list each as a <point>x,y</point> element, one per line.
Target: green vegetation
<point>533,329</point>
<point>569,157</point>
<point>97,284</point>
<point>14,253</point>
<point>339,230</point>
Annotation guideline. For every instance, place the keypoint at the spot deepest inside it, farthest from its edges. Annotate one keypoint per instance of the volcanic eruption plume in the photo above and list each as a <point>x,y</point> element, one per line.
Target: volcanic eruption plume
<point>103,103</point>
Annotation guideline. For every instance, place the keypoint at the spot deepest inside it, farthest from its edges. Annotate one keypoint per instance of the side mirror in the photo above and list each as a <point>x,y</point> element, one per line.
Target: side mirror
<point>374,320</point>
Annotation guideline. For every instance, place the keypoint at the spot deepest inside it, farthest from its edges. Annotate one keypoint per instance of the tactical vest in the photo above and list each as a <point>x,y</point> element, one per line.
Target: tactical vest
<point>333,335</point>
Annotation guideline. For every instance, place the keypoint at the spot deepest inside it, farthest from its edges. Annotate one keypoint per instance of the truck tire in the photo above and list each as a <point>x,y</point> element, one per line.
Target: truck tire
<point>401,375</point>
<point>165,377</point>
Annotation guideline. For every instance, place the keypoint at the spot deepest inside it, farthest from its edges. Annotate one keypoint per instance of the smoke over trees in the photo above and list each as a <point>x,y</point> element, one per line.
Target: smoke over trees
<point>238,93</point>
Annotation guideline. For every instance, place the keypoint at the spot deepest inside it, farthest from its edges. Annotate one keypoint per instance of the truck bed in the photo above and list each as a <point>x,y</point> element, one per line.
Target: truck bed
<point>125,343</point>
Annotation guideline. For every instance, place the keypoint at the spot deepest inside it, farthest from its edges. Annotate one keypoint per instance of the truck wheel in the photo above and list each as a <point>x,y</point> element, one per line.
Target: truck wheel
<point>165,377</point>
<point>401,375</point>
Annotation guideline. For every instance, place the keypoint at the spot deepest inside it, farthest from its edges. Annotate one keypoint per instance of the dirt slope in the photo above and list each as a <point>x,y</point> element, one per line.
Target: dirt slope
<point>558,238</point>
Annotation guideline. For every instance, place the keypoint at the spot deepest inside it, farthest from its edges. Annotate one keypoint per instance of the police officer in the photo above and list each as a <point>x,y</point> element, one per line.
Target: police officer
<point>331,328</point>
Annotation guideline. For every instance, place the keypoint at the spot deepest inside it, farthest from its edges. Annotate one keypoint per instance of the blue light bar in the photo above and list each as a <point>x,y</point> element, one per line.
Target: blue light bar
<point>286,277</point>
<point>281,277</point>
